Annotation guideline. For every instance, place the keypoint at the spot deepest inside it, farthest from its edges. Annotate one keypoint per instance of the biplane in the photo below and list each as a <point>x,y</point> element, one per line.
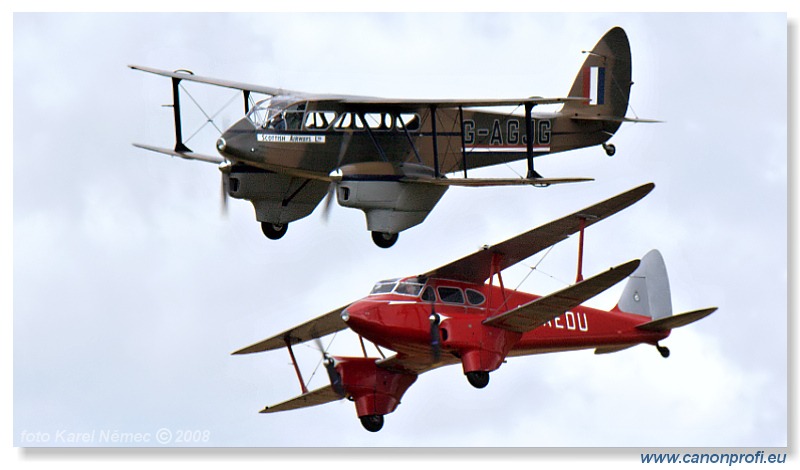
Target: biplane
<point>390,157</point>
<point>451,315</point>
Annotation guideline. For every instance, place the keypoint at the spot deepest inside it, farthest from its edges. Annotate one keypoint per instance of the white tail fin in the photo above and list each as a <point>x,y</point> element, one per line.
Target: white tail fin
<point>647,291</point>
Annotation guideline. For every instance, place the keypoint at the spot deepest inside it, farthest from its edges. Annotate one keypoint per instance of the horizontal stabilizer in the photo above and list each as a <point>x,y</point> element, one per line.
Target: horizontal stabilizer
<point>316,397</point>
<point>614,119</point>
<point>484,182</point>
<point>613,349</point>
<point>321,326</point>
<point>186,155</point>
<point>676,321</point>
<point>542,310</point>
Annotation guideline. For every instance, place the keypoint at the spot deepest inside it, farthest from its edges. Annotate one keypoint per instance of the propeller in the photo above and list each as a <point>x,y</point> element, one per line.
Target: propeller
<point>326,208</point>
<point>330,367</point>
<point>436,343</point>
<point>225,169</point>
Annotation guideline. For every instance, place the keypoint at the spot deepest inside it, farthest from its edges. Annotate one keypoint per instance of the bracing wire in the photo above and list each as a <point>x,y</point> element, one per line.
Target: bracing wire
<point>209,119</point>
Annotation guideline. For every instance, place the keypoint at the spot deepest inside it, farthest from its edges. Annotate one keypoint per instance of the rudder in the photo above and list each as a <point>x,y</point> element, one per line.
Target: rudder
<point>604,80</point>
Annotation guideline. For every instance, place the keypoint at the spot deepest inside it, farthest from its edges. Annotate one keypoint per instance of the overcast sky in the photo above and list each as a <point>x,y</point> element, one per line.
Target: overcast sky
<point>130,290</point>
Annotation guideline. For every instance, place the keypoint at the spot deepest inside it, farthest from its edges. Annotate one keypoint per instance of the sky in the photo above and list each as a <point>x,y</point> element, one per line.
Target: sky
<point>130,290</point>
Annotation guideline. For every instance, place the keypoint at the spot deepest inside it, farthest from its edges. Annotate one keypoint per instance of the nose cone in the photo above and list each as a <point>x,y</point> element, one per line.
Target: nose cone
<point>238,141</point>
<point>389,323</point>
<point>362,317</point>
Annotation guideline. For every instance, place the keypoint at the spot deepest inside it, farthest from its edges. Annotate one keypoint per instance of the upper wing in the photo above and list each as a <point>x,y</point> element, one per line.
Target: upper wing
<point>321,326</point>
<point>188,76</point>
<point>385,103</point>
<point>316,397</point>
<point>542,310</point>
<point>453,103</point>
<point>477,267</point>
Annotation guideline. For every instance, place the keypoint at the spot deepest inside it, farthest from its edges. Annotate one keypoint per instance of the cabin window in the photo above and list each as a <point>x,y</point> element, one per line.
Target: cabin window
<point>319,120</point>
<point>378,121</point>
<point>474,297</point>
<point>349,121</point>
<point>408,121</point>
<point>451,295</point>
<point>428,295</point>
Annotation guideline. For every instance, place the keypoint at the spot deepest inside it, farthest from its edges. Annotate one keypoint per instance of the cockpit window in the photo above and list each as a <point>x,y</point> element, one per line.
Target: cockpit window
<point>452,295</point>
<point>383,287</point>
<point>275,113</point>
<point>294,116</point>
<point>409,288</point>
<point>406,287</point>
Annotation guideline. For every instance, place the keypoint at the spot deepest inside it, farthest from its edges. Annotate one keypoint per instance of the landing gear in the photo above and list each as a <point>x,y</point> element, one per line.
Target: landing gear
<point>663,350</point>
<point>372,423</point>
<point>610,149</point>
<point>274,231</point>
<point>478,378</point>
<point>383,239</point>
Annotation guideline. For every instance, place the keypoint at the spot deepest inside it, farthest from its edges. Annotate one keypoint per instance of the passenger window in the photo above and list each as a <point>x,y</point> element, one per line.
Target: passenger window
<point>452,295</point>
<point>378,121</point>
<point>408,121</point>
<point>428,295</point>
<point>349,121</point>
<point>474,297</point>
<point>319,120</point>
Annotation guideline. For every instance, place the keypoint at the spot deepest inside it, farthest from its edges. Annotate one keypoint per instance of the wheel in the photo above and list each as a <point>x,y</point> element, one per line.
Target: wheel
<point>383,239</point>
<point>664,351</point>
<point>372,423</point>
<point>478,378</point>
<point>610,149</point>
<point>274,231</point>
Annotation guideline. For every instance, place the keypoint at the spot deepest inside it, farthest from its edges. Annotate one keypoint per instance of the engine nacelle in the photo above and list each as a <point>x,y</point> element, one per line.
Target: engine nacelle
<point>277,199</point>
<point>390,206</point>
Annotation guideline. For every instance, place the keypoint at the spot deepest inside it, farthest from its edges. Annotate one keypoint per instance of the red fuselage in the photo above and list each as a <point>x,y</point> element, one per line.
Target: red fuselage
<point>402,322</point>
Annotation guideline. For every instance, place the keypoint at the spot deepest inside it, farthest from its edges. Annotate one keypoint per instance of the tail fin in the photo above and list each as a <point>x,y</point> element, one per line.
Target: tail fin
<point>647,291</point>
<point>605,81</point>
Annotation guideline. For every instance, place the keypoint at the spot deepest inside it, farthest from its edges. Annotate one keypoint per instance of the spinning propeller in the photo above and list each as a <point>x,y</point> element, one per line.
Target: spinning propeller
<point>330,367</point>
<point>326,208</point>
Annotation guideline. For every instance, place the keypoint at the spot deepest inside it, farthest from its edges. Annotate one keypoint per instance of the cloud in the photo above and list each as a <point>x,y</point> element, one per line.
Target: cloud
<point>130,292</point>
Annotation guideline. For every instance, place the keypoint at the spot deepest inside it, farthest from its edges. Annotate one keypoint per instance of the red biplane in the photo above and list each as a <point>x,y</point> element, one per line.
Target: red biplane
<point>451,315</point>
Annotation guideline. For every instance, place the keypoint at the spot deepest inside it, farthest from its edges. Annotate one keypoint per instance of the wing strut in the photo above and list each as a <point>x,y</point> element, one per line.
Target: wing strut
<point>463,144</point>
<point>529,131</point>
<point>294,363</point>
<point>176,108</point>
<point>436,173</point>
